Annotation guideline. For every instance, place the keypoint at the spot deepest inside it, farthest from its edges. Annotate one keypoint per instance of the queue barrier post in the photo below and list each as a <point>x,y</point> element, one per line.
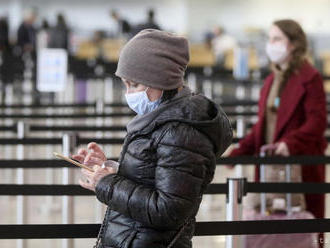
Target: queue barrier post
<point>69,143</point>
<point>21,201</point>
<point>236,191</point>
<point>240,127</point>
<point>99,106</point>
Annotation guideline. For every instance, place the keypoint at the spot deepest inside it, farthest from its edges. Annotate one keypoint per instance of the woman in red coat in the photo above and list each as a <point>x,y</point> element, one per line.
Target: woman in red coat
<point>292,114</point>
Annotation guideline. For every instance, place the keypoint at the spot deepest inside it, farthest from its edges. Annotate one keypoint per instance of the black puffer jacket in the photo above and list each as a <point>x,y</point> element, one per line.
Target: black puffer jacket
<point>167,160</point>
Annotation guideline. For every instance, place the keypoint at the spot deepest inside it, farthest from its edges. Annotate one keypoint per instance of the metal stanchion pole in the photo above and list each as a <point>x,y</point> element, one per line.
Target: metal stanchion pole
<point>208,88</point>
<point>99,106</point>
<point>240,92</point>
<point>108,95</point>
<point>236,191</point>
<point>218,88</point>
<point>255,92</point>
<point>262,180</point>
<point>99,134</point>
<point>288,195</point>
<point>50,205</point>
<point>8,150</point>
<point>21,202</point>
<point>192,81</point>
<point>239,169</point>
<point>69,143</point>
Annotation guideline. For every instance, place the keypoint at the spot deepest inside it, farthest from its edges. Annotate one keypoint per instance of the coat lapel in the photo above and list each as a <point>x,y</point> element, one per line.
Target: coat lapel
<point>290,98</point>
<point>264,97</point>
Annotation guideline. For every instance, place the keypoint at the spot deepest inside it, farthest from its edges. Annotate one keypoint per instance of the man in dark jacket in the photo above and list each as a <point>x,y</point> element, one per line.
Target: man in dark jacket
<point>169,154</point>
<point>26,34</point>
<point>4,34</point>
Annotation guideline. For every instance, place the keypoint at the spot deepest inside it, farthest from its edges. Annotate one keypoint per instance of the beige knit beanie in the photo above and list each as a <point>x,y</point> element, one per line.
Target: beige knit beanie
<point>154,58</point>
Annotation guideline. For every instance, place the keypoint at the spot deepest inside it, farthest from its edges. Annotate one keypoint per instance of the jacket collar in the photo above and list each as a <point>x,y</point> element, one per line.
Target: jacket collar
<point>141,122</point>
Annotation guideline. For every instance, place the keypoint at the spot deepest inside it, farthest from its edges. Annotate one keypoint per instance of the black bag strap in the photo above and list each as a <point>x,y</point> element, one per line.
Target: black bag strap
<point>101,231</point>
<point>177,236</point>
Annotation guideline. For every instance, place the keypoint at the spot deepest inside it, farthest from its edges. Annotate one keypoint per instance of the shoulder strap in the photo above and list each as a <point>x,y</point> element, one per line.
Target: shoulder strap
<point>177,236</point>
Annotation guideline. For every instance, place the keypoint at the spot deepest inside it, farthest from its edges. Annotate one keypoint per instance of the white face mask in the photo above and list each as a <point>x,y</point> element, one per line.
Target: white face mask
<point>277,53</point>
<point>140,103</point>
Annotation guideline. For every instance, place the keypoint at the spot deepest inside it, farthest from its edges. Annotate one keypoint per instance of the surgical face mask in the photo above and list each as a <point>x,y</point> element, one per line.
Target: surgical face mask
<point>277,53</point>
<point>140,103</point>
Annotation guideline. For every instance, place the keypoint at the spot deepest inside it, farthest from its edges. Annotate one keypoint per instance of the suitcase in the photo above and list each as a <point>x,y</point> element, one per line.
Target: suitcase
<point>292,240</point>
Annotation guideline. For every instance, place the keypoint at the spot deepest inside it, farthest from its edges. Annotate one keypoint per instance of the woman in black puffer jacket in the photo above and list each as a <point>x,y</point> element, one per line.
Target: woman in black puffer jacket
<point>169,153</point>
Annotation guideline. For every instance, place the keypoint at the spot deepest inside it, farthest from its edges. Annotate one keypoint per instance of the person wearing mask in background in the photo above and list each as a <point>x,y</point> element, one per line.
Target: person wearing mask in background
<point>26,34</point>
<point>59,34</point>
<point>123,28</point>
<point>292,116</point>
<point>149,24</point>
<point>169,154</point>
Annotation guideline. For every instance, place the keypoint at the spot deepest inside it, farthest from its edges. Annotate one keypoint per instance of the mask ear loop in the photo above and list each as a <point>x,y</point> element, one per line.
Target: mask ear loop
<point>148,96</point>
<point>147,93</point>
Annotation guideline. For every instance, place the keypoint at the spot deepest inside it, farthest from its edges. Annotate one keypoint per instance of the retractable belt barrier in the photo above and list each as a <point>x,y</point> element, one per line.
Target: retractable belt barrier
<point>232,103</point>
<point>213,228</point>
<point>103,115</point>
<point>202,228</point>
<point>38,128</point>
<point>113,104</point>
<point>61,105</point>
<point>57,141</point>
<point>219,188</point>
<point>85,128</point>
<point>67,116</point>
<point>212,189</point>
<point>242,160</point>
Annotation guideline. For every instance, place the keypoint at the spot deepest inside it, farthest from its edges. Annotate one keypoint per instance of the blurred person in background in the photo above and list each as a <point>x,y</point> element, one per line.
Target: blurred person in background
<point>222,45</point>
<point>26,34</point>
<point>149,24</point>
<point>208,37</point>
<point>43,35</point>
<point>169,154</point>
<point>5,55</point>
<point>123,26</point>
<point>4,34</point>
<point>98,39</point>
<point>292,116</point>
<point>59,34</point>
<point>26,47</point>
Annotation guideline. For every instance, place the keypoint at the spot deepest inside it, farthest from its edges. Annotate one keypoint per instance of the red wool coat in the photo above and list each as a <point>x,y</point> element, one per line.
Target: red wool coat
<point>301,123</point>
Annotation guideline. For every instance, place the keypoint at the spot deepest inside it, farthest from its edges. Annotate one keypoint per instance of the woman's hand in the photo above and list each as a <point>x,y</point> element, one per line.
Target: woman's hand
<point>280,149</point>
<point>92,178</point>
<point>91,156</point>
